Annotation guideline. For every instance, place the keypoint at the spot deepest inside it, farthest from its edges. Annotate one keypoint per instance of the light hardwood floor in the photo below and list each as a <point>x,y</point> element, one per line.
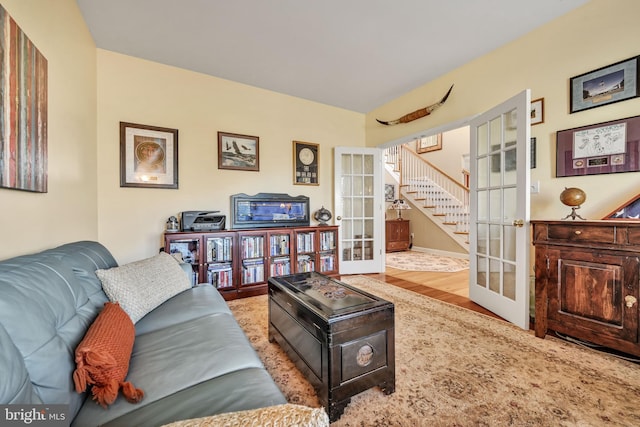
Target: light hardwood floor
<point>452,288</point>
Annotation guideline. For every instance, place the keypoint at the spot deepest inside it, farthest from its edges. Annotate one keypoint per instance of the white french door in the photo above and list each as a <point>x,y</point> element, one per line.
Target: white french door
<point>499,229</point>
<point>359,205</point>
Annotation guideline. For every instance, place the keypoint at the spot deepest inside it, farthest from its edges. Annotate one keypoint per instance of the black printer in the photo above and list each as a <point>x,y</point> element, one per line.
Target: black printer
<point>202,221</point>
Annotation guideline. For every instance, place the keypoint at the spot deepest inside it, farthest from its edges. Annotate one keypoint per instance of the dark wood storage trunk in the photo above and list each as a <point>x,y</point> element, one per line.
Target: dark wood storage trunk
<point>339,337</point>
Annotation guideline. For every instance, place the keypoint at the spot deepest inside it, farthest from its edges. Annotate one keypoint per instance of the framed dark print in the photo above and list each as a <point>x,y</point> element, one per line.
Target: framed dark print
<point>537,111</point>
<point>305,163</point>
<point>389,192</point>
<point>424,144</point>
<point>239,152</point>
<point>148,156</point>
<point>606,85</point>
<point>533,153</point>
<point>608,147</point>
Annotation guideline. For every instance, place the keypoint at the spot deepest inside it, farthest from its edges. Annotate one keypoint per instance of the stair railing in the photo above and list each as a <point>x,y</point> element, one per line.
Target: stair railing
<point>435,188</point>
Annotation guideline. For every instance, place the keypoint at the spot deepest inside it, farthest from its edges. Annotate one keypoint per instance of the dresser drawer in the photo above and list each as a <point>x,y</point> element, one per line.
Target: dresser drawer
<point>581,233</point>
<point>633,236</point>
<point>397,246</point>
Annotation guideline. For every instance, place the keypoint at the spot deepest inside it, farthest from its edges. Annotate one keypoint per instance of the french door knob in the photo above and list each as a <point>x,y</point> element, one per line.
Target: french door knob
<point>338,217</point>
<point>518,223</point>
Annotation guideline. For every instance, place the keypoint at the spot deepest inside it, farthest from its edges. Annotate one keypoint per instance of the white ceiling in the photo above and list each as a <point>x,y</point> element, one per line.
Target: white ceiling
<point>353,54</point>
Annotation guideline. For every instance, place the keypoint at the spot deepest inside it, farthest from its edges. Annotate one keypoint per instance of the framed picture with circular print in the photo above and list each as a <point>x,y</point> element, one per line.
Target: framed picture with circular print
<point>148,156</point>
<point>305,163</point>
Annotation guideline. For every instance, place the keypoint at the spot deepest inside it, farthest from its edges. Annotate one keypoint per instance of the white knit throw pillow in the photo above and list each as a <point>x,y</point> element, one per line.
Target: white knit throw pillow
<point>141,286</point>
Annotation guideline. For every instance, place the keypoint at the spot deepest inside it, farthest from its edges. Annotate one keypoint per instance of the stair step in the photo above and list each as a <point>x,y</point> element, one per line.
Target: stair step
<point>461,232</point>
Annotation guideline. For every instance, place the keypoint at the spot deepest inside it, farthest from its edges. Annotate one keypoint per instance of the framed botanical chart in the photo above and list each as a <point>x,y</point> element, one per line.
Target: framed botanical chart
<point>148,156</point>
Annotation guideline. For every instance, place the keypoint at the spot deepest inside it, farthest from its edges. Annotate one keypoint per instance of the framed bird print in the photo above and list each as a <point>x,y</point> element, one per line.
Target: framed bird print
<point>305,163</point>
<point>239,152</point>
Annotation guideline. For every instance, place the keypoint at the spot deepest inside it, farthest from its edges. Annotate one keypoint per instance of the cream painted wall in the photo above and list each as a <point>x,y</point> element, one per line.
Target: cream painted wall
<point>68,211</point>
<point>132,220</point>
<point>455,143</point>
<point>591,37</point>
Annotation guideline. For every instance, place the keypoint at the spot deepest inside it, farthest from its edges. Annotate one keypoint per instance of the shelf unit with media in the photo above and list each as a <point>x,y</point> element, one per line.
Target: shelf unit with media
<point>239,262</point>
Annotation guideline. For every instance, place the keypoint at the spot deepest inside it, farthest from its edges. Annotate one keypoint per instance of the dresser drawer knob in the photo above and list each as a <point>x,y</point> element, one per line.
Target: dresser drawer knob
<point>630,300</point>
<point>578,232</point>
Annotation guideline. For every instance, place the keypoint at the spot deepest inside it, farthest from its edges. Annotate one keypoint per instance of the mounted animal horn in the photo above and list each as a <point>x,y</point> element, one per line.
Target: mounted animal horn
<point>423,112</point>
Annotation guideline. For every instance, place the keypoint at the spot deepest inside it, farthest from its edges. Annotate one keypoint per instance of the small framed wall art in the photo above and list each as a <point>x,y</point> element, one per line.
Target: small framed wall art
<point>305,163</point>
<point>148,156</point>
<point>424,144</point>
<point>239,152</point>
<point>537,111</point>
<point>389,192</point>
<point>606,85</point>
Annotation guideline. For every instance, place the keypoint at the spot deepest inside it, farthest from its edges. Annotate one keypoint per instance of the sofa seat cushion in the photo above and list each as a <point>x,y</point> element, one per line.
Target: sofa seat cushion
<point>167,362</point>
<point>202,300</point>
<point>102,357</point>
<point>143,285</point>
<point>236,391</point>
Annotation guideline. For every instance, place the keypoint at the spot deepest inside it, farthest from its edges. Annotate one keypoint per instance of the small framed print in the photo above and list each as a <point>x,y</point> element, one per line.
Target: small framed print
<point>148,156</point>
<point>537,111</point>
<point>389,192</point>
<point>305,163</point>
<point>238,152</point>
<point>612,83</point>
<point>424,144</point>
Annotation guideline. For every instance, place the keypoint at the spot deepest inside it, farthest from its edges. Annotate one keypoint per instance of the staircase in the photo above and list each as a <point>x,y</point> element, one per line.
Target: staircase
<point>439,197</point>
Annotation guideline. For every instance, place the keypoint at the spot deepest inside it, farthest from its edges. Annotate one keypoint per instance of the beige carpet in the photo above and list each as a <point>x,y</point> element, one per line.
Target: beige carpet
<point>422,261</point>
<point>459,368</point>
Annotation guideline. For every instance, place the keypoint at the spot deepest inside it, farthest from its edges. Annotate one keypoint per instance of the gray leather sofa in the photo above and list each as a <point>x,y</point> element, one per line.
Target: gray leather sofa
<point>190,356</point>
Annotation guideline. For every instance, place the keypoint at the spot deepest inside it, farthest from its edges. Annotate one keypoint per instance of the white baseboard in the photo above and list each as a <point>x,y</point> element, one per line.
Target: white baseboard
<point>441,253</point>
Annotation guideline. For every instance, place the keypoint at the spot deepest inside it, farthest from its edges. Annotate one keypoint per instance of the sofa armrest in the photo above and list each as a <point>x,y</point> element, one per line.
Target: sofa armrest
<point>278,415</point>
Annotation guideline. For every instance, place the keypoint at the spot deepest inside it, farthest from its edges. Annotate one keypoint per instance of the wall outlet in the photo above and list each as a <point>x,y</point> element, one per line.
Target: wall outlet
<point>535,187</point>
<point>412,235</point>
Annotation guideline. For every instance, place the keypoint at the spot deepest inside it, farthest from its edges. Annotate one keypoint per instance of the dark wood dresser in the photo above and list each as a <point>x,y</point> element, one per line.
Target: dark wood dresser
<point>398,237</point>
<point>587,279</point>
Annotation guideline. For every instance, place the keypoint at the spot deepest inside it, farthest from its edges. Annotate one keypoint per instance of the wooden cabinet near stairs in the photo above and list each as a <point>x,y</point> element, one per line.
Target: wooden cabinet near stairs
<point>398,237</point>
<point>587,280</point>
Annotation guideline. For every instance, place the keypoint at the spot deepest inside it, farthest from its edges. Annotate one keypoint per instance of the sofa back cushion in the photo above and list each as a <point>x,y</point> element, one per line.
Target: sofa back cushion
<point>45,308</point>
<point>15,386</point>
